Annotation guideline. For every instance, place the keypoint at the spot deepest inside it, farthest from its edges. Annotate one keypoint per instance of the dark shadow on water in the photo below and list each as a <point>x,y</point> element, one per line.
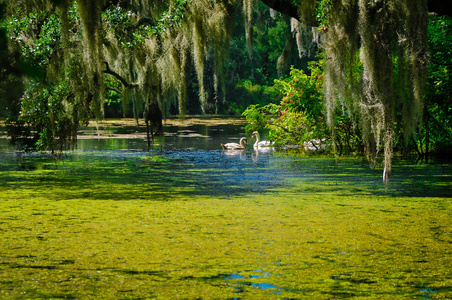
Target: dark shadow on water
<point>156,175</point>
<point>354,176</point>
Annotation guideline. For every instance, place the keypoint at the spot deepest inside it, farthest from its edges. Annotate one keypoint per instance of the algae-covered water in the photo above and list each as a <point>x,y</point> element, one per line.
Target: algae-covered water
<point>187,220</point>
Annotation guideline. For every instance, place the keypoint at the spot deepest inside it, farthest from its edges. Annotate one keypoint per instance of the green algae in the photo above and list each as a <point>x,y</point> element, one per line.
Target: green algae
<point>199,225</point>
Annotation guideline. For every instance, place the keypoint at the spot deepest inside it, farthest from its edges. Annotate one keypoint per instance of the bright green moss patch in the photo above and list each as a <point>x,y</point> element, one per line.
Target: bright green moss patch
<point>127,225</point>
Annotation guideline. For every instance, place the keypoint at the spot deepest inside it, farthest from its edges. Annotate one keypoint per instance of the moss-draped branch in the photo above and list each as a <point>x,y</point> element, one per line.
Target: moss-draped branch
<point>124,82</point>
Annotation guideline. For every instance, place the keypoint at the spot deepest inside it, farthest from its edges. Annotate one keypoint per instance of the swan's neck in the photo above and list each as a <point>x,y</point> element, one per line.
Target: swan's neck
<point>258,139</point>
<point>241,143</point>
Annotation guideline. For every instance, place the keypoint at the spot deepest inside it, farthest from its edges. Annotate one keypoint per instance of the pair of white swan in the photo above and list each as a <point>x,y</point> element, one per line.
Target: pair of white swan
<point>257,144</point>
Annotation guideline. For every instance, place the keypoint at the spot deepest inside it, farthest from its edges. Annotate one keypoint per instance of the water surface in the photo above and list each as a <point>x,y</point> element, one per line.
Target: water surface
<point>189,220</point>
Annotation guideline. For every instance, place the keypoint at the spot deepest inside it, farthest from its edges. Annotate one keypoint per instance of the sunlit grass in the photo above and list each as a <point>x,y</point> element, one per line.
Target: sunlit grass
<point>140,225</point>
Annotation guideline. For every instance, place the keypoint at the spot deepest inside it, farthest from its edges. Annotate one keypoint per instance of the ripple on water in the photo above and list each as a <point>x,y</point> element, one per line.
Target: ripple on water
<point>240,283</point>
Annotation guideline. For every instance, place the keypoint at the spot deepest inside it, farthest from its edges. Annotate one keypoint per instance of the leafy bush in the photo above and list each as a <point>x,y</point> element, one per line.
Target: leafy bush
<point>300,116</point>
<point>45,121</point>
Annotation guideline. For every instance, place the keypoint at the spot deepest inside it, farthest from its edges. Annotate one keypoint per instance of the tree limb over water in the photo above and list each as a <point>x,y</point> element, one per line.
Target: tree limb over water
<point>126,84</point>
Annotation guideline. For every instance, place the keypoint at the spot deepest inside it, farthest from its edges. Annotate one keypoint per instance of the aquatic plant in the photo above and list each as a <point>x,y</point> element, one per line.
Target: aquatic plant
<point>197,224</point>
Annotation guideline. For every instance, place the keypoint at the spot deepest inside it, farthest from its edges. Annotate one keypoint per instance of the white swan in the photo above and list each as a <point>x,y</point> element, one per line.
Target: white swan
<point>259,143</point>
<point>235,146</point>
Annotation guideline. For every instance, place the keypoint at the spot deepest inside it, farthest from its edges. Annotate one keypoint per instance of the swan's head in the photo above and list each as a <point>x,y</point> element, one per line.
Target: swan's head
<point>255,133</point>
<point>244,140</point>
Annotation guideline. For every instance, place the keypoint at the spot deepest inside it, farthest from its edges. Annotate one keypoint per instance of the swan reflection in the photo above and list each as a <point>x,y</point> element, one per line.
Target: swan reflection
<point>263,150</point>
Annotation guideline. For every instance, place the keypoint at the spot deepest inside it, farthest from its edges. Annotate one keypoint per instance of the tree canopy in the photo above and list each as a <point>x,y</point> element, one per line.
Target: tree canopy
<point>376,56</point>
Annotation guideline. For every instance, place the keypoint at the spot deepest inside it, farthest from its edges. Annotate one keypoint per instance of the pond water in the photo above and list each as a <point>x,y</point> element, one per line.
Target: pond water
<point>189,220</point>
<point>180,134</point>
<point>188,134</point>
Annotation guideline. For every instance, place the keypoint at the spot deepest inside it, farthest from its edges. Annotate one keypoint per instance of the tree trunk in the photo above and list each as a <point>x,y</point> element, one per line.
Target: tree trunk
<point>154,121</point>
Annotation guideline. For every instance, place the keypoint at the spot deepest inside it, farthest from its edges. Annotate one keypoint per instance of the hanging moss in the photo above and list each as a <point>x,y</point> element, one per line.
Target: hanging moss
<point>220,39</point>
<point>199,51</point>
<point>64,10</point>
<point>284,58</point>
<point>247,10</point>
<point>90,15</point>
<point>363,42</point>
<point>307,11</point>
<point>159,59</point>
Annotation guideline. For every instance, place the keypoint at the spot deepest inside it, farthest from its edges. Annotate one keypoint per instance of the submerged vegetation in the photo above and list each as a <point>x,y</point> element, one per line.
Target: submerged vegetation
<point>200,224</point>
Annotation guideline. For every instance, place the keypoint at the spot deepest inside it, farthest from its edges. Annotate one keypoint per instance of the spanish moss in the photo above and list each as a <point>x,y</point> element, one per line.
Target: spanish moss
<point>370,46</point>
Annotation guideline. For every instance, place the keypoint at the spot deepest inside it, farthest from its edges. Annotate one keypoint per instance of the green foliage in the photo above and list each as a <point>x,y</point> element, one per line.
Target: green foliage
<point>247,93</point>
<point>321,12</point>
<point>251,79</point>
<point>300,116</point>
<point>172,17</point>
<point>118,20</point>
<point>37,50</point>
<point>38,35</point>
<point>131,33</point>
<point>10,75</point>
<point>52,105</point>
<point>436,132</point>
<point>433,134</point>
<point>44,111</point>
<point>303,93</point>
